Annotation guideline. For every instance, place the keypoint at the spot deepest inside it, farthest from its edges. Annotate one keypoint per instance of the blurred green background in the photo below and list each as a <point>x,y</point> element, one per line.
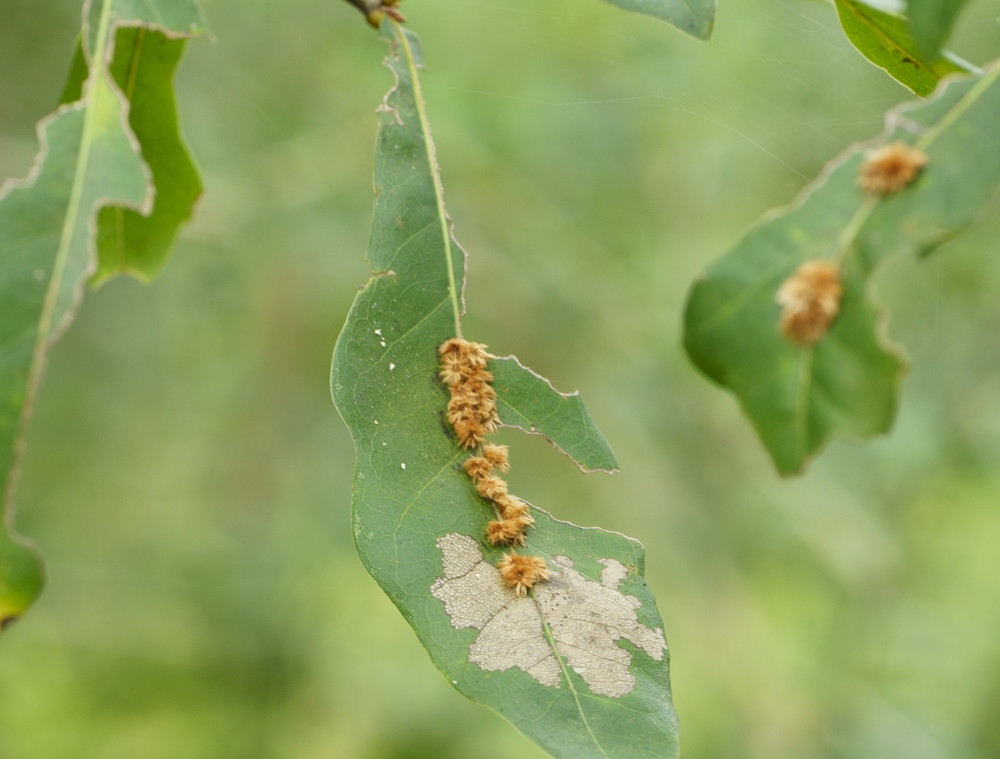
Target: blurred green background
<point>189,479</point>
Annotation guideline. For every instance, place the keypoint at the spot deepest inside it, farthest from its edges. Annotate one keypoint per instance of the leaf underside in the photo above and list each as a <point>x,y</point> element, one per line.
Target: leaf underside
<point>694,17</point>
<point>847,384</point>
<point>410,492</point>
<point>885,39</point>
<point>90,158</point>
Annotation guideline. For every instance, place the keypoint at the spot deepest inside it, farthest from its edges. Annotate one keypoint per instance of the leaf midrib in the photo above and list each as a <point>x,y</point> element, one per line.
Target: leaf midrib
<point>425,129</point>
<point>66,234</point>
<point>453,291</point>
<point>885,38</point>
<point>550,637</point>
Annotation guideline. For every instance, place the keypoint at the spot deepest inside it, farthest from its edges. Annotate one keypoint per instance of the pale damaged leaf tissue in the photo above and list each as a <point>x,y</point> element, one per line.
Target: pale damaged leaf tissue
<point>585,619</point>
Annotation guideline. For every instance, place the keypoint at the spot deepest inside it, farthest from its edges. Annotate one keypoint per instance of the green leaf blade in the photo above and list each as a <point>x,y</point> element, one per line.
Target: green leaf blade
<point>89,161</point>
<point>78,73</point>
<point>932,22</point>
<point>792,395</point>
<point>46,256</point>
<point>110,169</point>
<point>127,241</point>
<point>21,576</point>
<point>149,44</point>
<point>176,17</point>
<point>847,385</point>
<point>412,498</point>
<point>529,402</point>
<point>962,173</point>
<point>885,40</point>
<point>693,17</point>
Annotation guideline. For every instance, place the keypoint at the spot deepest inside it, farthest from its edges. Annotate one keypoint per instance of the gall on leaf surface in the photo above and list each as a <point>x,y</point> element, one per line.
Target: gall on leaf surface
<point>847,383</point>
<point>89,159</point>
<point>419,524</point>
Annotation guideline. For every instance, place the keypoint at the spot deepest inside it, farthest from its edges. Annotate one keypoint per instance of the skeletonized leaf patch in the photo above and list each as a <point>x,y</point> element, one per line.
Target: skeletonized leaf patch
<point>584,617</point>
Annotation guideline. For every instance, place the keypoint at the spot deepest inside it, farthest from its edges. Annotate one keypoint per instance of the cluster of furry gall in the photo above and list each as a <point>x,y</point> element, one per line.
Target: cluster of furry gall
<point>472,410</point>
<point>513,515</point>
<point>472,413</point>
<point>890,168</point>
<point>810,301</point>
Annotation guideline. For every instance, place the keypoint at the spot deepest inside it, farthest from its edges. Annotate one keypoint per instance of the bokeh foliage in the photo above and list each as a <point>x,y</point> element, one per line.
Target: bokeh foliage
<point>88,159</point>
<point>847,383</point>
<point>190,480</point>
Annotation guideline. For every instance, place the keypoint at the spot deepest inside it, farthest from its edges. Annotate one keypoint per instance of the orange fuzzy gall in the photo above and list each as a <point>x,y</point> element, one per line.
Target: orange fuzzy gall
<point>521,573</point>
<point>890,168</point>
<point>497,455</point>
<point>810,301</point>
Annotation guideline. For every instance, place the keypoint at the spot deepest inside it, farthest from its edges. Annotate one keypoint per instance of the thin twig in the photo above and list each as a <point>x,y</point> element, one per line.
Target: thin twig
<point>376,10</point>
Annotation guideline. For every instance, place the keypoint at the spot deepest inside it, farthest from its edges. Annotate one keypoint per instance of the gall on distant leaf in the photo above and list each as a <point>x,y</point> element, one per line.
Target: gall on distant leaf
<point>810,301</point>
<point>854,215</point>
<point>890,168</point>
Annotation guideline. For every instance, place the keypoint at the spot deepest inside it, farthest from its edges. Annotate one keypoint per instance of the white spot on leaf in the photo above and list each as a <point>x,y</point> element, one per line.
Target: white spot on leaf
<point>403,466</point>
<point>585,617</point>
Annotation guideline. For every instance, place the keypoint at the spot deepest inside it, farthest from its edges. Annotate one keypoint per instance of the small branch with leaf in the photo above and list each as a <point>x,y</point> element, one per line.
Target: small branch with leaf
<point>376,10</point>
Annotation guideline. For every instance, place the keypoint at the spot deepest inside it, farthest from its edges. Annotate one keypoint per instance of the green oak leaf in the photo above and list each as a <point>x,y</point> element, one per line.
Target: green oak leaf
<point>847,384</point>
<point>885,40</point>
<point>89,159</point>
<point>694,17</point>
<point>932,21</point>
<point>145,59</point>
<point>579,689</point>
